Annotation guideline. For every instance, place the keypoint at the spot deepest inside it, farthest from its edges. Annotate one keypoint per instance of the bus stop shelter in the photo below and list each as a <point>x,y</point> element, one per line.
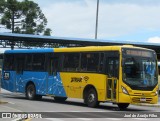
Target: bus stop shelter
<point>10,40</point>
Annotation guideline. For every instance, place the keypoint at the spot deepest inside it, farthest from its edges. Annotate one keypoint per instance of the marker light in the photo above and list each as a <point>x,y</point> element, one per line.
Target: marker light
<point>156,93</point>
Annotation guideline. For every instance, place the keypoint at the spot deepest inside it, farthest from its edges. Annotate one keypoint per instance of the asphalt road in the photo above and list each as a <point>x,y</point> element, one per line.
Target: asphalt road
<point>71,110</point>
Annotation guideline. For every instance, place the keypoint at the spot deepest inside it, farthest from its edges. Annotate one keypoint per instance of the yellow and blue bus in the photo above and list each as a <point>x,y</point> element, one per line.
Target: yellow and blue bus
<point>122,75</point>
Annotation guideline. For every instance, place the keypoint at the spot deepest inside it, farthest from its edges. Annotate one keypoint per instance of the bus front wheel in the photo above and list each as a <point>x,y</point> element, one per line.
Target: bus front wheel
<point>123,106</point>
<point>31,92</point>
<point>91,98</point>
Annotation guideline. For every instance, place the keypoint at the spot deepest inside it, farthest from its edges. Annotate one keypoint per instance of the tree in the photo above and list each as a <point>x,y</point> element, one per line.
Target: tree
<point>47,32</point>
<point>2,2</point>
<point>24,17</point>
<point>1,6</point>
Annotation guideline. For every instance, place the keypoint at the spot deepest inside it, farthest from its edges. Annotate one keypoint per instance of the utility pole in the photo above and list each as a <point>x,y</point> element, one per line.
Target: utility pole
<point>97,11</point>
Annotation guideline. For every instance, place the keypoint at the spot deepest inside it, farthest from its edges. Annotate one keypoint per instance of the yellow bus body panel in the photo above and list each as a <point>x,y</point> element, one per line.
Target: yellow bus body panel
<point>74,84</point>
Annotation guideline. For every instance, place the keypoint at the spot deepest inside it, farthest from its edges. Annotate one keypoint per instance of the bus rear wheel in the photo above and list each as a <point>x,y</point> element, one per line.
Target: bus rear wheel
<point>60,99</point>
<point>123,106</point>
<point>91,98</point>
<point>31,92</point>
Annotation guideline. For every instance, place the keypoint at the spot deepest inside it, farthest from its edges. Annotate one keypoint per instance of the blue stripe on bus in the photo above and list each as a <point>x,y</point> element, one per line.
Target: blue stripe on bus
<point>30,51</point>
<point>44,83</point>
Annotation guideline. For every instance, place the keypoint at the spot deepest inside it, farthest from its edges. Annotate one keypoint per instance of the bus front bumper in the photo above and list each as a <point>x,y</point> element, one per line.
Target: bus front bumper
<point>138,99</point>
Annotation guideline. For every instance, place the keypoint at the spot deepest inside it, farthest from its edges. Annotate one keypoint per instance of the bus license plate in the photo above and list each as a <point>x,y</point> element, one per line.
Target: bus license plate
<point>143,99</point>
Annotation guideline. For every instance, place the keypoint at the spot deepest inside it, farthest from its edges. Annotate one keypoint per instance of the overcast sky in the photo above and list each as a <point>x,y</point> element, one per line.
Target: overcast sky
<point>130,20</point>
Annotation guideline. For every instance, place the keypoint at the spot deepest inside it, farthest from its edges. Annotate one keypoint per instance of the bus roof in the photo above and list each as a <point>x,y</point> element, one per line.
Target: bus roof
<point>73,49</point>
<point>30,51</point>
<point>67,40</point>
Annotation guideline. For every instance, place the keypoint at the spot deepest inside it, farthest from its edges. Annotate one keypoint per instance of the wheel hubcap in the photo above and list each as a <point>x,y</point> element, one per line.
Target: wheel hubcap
<point>30,92</point>
<point>91,98</point>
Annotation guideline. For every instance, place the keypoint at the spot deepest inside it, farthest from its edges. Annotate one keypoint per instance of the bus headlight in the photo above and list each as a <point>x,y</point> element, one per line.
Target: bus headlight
<point>124,90</point>
<point>156,93</point>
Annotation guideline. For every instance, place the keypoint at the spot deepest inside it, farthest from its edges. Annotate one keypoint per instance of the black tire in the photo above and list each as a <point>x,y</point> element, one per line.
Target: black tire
<point>123,106</point>
<point>31,92</point>
<point>91,98</point>
<point>60,99</point>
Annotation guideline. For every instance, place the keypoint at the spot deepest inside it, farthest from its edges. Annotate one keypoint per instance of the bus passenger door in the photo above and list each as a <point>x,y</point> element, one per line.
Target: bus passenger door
<point>54,84</point>
<point>112,79</point>
<point>52,74</point>
<point>19,67</point>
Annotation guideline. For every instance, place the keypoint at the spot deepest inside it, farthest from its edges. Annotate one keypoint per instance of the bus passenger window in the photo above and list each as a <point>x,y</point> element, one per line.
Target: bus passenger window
<point>110,68</point>
<point>28,63</point>
<point>53,65</point>
<point>19,63</point>
<point>38,62</point>
<point>71,62</point>
<point>9,62</point>
<point>113,67</point>
<point>101,62</point>
<point>89,62</point>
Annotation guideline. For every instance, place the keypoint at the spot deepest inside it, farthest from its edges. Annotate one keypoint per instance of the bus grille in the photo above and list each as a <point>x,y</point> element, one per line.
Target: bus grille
<point>137,100</point>
<point>144,94</point>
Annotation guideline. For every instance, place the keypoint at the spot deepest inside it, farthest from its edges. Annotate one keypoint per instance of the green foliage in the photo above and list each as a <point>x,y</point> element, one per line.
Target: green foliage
<point>24,17</point>
<point>47,32</point>
<point>2,2</point>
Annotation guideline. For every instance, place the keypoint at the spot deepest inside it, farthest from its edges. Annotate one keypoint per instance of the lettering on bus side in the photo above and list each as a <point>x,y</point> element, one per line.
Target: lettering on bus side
<point>79,79</point>
<point>76,79</point>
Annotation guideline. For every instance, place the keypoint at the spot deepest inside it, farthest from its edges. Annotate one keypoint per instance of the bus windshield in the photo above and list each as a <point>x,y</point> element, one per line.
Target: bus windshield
<point>139,72</point>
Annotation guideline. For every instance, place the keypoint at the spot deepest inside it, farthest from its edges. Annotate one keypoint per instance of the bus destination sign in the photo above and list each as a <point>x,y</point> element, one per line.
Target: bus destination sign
<point>139,53</point>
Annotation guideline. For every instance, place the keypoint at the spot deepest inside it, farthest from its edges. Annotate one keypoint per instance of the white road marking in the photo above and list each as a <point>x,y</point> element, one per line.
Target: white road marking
<point>12,108</point>
<point>114,119</point>
<point>87,111</point>
<point>75,111</point>
<point>142,119</point>
<point>84,119</point>
<point>17,119</point>
<point>11,103</point>
<point>54,119</point>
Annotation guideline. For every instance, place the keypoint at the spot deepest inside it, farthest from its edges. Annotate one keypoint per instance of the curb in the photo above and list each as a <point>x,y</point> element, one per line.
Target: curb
<point>3,102</point>
<point>21,119</point>
<point>28,119</point>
